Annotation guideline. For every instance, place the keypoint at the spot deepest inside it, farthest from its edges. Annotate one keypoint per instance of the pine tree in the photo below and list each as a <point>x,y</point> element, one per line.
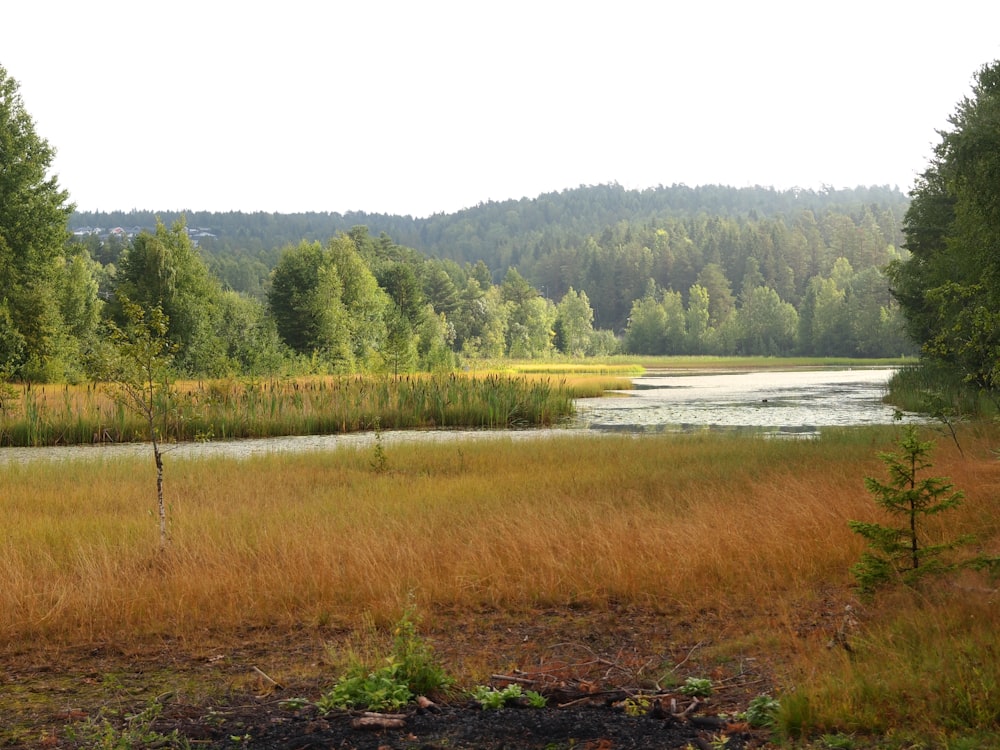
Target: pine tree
<point>903,553</point>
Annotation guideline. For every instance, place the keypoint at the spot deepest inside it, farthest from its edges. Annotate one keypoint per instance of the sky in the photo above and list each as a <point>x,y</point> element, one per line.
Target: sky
<point>416,108</point>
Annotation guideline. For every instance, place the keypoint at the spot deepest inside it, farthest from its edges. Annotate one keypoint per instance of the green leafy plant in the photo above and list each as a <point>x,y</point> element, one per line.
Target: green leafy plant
<point>415,657</point>
<point>492,698</point>
<point>762,710</point>
<point>698,687</point>
<point>901,553</point>
<point>408,671</point>
<point>380,690</point>
<point>135,732</point>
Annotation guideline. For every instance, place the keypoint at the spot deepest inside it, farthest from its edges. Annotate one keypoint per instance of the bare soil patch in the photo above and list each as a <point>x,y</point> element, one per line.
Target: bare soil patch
<point>236,692</point>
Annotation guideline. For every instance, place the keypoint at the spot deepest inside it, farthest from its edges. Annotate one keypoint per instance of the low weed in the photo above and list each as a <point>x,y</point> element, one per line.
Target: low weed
<point>409,670</point>
<point>134,731</point>
<point>762,710</point>
<point>493,698</point>
<point>696,687</point>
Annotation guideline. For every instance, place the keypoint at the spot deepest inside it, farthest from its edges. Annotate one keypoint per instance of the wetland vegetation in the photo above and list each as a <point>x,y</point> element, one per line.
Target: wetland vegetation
<point>716,551</point>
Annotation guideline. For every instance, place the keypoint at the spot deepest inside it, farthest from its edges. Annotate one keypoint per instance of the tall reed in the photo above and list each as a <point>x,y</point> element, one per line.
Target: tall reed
<point>67,415</point>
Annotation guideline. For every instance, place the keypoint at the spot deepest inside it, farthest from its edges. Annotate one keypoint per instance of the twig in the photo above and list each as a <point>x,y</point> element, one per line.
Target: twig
<point>511,678</point>
<point>268,678</point>
<point>690,653</point>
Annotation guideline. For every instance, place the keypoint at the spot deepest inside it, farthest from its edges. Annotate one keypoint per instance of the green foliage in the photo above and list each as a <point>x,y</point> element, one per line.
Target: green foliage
<point>135,731</point>
<point>687,242</point>
<point>493,698</point>
<point>37,340</point>
<point>409,670</point>
<point>637,705</point>
<point>949,288</point>
<point>417,664</point>
<point>697,687</point>
<point>762,710</point>
<point>378,690</point>
<point>162,269</point>
<point>902,553</point>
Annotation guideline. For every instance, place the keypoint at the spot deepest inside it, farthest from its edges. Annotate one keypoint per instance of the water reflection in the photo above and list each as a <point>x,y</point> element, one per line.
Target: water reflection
<point>781,403</point>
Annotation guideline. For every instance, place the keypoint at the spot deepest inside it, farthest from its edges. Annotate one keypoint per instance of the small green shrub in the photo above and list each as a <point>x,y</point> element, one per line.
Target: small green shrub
<point>410,670</point>
<point>762,710</point>
<point>137,731</point>
<point>697,687</point>
<point>491,698</point>
<point>381,690</point>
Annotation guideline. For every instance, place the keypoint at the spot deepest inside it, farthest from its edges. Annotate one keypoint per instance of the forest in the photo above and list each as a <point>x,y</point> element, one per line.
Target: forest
<point>589,271</point>
<point>594,270</point>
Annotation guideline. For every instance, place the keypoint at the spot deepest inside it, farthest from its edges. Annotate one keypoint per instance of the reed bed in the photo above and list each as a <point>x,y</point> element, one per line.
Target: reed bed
<point>225,409</point>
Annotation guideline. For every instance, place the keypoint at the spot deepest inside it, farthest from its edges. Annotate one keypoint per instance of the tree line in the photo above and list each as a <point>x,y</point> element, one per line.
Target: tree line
<point>590,271</point>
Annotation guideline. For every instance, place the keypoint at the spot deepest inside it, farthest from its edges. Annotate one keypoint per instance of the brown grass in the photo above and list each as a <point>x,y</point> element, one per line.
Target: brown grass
<point>671,523</point>
<point>743,539</point>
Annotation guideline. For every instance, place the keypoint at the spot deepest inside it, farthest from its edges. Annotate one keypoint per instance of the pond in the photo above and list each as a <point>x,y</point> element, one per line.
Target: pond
<point>794,403</point>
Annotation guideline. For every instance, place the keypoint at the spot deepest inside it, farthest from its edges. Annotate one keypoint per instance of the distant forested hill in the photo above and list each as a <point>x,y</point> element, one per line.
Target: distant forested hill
<point>618,246</point>
<point>502,233</point>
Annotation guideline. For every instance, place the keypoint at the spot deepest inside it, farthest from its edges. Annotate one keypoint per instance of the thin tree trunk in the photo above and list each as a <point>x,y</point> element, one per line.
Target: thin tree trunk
<point>160,505</point>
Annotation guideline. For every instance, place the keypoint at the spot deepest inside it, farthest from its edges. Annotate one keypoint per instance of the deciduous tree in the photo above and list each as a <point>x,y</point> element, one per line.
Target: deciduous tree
<point>34,212</point>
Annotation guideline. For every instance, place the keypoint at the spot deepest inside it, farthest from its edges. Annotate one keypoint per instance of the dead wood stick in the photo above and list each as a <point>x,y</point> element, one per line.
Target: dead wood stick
<point>378,721</point>
<point>268,678</point>
<point>511,678</point>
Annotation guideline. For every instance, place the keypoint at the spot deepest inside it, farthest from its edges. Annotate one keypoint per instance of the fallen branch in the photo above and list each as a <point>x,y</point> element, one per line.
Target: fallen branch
<point>370,720</point>
<point>267,678</point>
<point>511,678</point>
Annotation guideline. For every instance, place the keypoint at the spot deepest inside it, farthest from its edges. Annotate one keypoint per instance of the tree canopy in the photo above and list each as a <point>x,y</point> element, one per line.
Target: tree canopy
<point>949,287</point>
<point>35,340</point>
<point>589,270</point>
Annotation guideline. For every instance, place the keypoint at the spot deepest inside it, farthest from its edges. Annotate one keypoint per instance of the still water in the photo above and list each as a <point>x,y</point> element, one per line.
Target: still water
<point>780,403</point>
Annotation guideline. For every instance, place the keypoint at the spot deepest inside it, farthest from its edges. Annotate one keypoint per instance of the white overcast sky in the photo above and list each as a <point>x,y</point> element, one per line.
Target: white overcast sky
<point>413,107</point>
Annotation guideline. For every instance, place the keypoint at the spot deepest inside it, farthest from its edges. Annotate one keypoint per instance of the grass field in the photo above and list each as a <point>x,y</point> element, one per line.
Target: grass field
<point>741,541</point>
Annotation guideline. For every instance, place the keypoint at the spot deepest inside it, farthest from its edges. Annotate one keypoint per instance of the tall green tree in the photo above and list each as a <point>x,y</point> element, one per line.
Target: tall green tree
<point>767,326</point>
<point>365,302</point>
<point>647,326</point>
<point>34,212</point>
<point>697,319</point>
<point>162,269</point>
<point>574,323</point>
<point>949,287</point>
<point>305,301</point>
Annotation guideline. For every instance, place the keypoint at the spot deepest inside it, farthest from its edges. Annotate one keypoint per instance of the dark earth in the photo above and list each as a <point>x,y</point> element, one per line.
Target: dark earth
<point>258,689</point>
<point>594,726</point>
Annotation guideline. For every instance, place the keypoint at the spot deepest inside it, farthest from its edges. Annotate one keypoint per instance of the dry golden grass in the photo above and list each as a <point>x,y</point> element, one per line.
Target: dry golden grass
<point>675,524</point>
<point>740,543</point>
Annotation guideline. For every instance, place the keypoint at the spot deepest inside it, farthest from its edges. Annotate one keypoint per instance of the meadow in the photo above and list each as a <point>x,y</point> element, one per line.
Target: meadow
<point>735,549</point>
